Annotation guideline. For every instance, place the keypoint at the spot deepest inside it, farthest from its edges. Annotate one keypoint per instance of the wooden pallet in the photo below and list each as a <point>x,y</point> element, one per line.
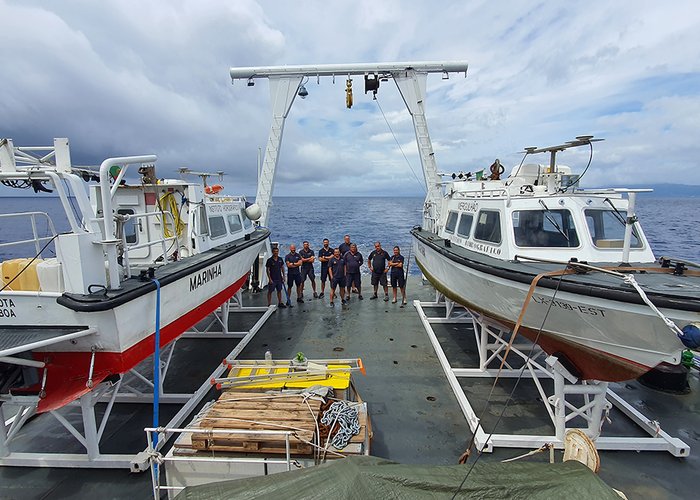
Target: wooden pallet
<point>255,411</point>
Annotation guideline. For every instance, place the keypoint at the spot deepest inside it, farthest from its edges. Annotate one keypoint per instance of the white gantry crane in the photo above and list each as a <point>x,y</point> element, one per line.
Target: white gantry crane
<point>286,82</point>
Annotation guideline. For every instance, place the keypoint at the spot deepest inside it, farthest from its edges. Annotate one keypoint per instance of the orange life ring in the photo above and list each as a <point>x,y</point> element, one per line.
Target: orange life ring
<point>213,189</point>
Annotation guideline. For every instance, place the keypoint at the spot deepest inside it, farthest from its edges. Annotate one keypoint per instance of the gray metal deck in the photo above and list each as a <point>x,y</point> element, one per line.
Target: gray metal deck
<point>415,417</point>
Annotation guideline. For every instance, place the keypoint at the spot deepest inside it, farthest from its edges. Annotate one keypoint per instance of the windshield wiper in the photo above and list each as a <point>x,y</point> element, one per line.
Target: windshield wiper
<point>618,215</point>
<point>552,222</point>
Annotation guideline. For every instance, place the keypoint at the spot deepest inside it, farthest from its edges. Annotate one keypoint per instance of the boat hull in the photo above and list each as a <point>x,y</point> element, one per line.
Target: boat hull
<point>604,339</point>
<point>126,333</point>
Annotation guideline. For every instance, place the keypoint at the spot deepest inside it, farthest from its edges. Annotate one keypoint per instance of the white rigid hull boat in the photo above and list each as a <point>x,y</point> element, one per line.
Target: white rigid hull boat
<point>493,237</point>
<point>91,313</point>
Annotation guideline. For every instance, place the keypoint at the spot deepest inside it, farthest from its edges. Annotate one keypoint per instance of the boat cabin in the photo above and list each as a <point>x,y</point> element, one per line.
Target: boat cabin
<point>540,214</point>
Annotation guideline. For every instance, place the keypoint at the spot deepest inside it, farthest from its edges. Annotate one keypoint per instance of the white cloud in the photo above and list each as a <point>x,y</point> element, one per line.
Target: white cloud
<point>128,77</point>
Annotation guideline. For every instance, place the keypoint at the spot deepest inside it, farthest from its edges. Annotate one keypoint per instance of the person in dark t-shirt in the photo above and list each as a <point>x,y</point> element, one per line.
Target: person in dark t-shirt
<point>336,270</point>
<point>398,279</point>
<point>307,268</point>
<point>293,261</point>
<point>324,255</point>
<point>353,262</point>
<point>275,277</point>
<point>377,265</point>
<point>344,247</point>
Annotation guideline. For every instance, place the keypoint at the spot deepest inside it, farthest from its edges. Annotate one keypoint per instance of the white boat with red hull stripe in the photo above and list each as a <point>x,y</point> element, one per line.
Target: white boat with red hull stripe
<point>90,313</point>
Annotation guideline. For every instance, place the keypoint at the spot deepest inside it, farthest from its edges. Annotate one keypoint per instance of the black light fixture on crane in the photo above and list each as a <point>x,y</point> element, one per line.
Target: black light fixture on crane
<point>372,85</point>
<point>302,89</point>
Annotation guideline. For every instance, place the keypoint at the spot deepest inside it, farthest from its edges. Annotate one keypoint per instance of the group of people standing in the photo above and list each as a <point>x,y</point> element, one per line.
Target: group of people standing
<point>340,267</point>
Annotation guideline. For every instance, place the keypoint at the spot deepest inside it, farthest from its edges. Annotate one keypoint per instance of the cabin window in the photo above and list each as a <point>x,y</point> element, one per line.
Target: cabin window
<point>234,223</point>
<point>130,227</point>
<point>465,225</point>
<point>451,222</point>
<point>488,226</point>
<point>217,226</point>
<point>544,228</point>
<point>246,221</point>
<point>607,228</point>
<point>203,225</point>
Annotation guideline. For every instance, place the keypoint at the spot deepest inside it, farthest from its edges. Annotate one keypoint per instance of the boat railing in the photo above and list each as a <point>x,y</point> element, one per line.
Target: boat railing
<point>157,459</point>
<point>163,240</point>
<point>484,193</point>
<point>38,241</point>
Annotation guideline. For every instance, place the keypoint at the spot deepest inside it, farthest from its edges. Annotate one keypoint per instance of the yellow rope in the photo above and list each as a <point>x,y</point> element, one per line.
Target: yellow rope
<point>168,200</point>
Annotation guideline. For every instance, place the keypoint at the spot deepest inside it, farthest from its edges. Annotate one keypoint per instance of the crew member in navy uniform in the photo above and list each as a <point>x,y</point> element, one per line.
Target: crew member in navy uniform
<point>307,268</point>
<point>377,265</point>
<point>336,270</point>
<point>353,262</point>
<point>293,261</point>
<point>344,247</point>
<point>398,280</point>
<point>324,255</point>
<point>275,277</point>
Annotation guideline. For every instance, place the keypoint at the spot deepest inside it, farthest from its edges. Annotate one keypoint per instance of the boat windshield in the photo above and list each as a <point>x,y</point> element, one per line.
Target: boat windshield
<point>544,228</point>
<point>607,228</point>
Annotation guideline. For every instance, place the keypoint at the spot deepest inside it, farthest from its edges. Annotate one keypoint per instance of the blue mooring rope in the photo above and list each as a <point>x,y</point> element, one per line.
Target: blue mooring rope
<point>156,364</point>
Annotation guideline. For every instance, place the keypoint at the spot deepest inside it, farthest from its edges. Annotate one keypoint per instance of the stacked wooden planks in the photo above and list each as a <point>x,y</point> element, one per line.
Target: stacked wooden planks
<point>253,411</point>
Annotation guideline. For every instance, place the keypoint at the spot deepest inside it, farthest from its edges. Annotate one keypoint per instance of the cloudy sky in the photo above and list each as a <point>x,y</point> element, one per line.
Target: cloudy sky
<point>121,77</point>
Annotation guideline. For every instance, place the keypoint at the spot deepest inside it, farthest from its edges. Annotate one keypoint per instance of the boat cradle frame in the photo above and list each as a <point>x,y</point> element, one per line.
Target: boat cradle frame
<point>492,340</point>
<point>122,391</point>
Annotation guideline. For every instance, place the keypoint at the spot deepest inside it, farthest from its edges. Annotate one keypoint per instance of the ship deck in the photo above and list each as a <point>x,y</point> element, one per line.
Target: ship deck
<point>415,416</point>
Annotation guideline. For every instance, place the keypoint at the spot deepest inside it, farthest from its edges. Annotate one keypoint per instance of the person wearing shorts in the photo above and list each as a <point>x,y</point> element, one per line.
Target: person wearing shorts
<point>307,268</point>
<point>336,270</point>
<point>324,255</point>
<point>398,280</point>
<point>377,265</point>
<point>353,262</point>
<point>293,261</point>
<point>275,277</point>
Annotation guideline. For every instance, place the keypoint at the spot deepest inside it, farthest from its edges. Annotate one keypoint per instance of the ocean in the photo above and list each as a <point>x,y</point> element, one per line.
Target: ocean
<point>672,225</point>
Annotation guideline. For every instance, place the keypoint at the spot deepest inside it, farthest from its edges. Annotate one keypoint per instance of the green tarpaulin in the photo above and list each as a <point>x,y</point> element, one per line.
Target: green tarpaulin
<point>366,478</point>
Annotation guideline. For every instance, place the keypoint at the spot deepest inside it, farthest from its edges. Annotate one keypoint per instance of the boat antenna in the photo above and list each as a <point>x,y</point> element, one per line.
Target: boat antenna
<point>422,185</point>
<point>590,158</point>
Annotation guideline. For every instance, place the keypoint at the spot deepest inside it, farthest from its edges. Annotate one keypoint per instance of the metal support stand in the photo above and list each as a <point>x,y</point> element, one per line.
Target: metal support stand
<point>127,389</point>
<point>216,320</point>
<point>588,400</point>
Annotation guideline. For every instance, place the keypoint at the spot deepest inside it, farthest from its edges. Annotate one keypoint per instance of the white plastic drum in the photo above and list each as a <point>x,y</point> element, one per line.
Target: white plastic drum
<point>50,276</point>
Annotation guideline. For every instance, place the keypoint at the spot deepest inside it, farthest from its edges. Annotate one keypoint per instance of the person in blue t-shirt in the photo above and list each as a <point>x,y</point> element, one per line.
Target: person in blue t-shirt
<point>398,279</point>
<point>293,261</point>
<point>307,268</point>
<point>377,265</point>
<point>275,277</point>
<point>324,255</point>
<point>344,247</point>
<point>353,262</point>
<point>336,270</point>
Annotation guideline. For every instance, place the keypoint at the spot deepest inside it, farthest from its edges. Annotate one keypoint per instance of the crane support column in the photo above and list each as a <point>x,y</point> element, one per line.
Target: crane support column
<point>411,85</point>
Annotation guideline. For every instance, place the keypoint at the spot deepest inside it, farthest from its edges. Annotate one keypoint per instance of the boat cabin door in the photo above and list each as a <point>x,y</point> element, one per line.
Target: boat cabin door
<point>135,229</point>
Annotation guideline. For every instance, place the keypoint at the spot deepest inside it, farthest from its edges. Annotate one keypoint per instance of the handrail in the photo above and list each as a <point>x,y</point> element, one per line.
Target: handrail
<point>36,238</point>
